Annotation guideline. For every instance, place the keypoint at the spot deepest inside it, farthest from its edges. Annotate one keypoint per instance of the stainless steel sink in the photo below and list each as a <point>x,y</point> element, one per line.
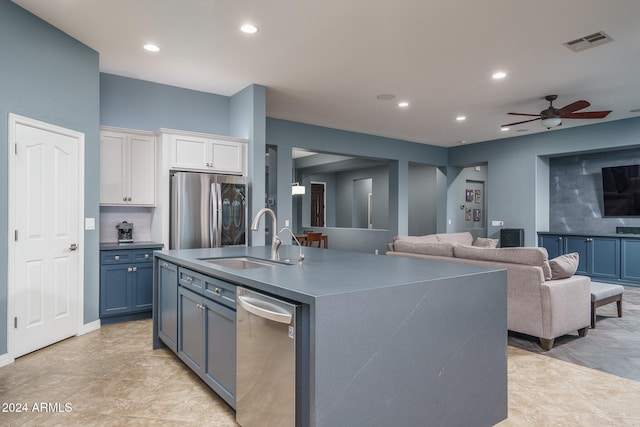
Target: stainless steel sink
<point>243,263</point>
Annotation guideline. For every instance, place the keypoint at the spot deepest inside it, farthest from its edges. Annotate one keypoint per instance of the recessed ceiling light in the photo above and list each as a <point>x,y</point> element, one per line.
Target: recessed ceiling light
<point>249,29</point>
<point>461,118</point>
<point>403,104</point>
<point>385,96</point>
<point>499,75</point>
<point>151,47</point>
<point>504,129</point>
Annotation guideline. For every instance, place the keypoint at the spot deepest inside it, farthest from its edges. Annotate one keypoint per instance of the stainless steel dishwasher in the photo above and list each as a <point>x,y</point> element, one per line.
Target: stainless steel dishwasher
<point>266,338</point>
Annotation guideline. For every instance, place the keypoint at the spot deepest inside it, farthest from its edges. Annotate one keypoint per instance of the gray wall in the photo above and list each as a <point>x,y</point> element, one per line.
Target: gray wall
<point>48,76</point>
<point>345,196</point>
<point>423,199</point>
<point>575,192</point>
<point>518,169</point>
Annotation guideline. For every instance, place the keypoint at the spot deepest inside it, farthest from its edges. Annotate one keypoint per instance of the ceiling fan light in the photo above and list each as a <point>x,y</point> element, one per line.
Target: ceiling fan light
<point>551,122</point>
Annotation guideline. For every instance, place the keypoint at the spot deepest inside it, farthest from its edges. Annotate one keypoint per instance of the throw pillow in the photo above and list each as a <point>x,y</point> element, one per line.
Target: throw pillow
<point>564,266</point>
<point>483,242</point>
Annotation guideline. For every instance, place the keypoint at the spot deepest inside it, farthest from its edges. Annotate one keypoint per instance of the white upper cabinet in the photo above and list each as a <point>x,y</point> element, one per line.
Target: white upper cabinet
<point>209,153</point>
<point>127,167</point>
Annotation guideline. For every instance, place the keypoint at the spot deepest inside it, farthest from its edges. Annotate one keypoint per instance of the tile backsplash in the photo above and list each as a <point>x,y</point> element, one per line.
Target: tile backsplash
<point>110,216</point>
<point>575,192</point>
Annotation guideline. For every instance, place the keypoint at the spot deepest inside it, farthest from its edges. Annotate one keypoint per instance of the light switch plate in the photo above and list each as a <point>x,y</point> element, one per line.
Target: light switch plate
<point>497,223</point>
<point>89,223</point>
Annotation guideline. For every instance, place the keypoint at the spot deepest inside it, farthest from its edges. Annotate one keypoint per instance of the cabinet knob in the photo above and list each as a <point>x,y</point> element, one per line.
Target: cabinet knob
<point>146,256</point>
<point>135,269</point>
<point>217,291</point>
<point>128,199</point>
<point>559,238</point>
<point>189,279</point>
<point>165,265</point>
<point>117,257</point>
<point>589,240</point>
<point>129,269</point>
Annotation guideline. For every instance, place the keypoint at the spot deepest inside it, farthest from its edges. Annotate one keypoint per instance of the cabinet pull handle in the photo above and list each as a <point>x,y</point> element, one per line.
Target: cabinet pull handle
<point>117,257</point>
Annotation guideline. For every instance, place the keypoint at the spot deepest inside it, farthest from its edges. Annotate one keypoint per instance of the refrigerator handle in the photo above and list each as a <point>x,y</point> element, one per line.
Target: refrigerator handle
<point>215,219</point>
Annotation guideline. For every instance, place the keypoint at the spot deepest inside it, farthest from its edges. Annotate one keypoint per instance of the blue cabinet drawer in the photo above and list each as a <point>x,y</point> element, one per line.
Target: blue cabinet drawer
<point>190,279</point>
<point>115,257</point>
<point>220,291</point>
<point>143,255</point>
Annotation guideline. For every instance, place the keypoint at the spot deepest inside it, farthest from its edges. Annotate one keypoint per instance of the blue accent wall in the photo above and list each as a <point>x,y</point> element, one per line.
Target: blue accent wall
<point>139,104</point>
<point>48,76</point>
<point>518,169</point>
<point>286,135</point>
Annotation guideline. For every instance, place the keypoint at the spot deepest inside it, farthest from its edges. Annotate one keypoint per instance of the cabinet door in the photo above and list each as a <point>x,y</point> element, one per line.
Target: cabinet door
<point>191,335</point>
<point>112,163</point>
<point>189,152</point>
<point>552,243</point>
<point>578,244</point>
<point>168,304</point>
<point>630,259</point>
<point>114,289</point>
<point>220,368</point>
<point>605,257</point>
<point>226,156</point>
<point>142,292</point>
<point>142,170</point>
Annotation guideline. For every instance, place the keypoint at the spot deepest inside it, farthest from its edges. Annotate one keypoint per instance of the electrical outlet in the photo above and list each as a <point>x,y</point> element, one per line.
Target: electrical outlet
<point>497,223</point>
<point>89,223</point>
<point>286,222</point>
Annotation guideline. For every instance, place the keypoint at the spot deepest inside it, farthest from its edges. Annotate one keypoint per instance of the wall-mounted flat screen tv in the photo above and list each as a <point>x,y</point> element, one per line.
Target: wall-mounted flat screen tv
<point>621,189</point>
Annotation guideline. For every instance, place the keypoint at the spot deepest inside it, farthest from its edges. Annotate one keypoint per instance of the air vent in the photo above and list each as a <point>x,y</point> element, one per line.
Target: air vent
<point>586,42</point>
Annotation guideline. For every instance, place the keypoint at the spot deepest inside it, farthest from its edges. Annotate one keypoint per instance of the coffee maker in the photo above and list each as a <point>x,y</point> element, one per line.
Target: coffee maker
<point>125,232</point>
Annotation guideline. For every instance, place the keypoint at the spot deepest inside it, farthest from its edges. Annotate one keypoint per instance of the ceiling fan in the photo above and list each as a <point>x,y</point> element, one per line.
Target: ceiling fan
<point>552,117</point>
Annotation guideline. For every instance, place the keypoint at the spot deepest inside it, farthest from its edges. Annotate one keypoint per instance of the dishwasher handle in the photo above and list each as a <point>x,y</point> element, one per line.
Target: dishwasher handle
<point>264,309</point>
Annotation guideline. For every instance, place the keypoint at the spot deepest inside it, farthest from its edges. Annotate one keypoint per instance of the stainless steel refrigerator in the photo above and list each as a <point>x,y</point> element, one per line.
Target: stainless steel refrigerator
<point>207,210</point>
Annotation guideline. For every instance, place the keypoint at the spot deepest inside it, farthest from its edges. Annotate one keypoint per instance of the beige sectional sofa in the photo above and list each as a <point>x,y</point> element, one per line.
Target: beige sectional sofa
<point>541,300</point>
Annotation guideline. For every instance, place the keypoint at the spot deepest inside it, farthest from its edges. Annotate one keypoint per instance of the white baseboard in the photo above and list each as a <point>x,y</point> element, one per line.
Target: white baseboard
<point>89,327</point>
<point>5,359</point>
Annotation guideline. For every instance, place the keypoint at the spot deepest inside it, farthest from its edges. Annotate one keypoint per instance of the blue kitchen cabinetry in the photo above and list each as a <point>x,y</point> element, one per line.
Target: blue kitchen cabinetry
<point>126,283</point>
<point>167,276</point>
<point>207,330</point>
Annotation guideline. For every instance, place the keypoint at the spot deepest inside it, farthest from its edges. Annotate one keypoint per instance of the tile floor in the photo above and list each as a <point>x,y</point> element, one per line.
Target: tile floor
<point>112,377</point>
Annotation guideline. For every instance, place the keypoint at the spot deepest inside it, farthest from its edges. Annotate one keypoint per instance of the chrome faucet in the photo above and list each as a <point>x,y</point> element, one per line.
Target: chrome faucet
<point>275,241</point>
<point>301,256</point>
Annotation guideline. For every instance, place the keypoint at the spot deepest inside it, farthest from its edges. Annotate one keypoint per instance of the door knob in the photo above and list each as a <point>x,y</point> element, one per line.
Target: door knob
<point>73,247</point>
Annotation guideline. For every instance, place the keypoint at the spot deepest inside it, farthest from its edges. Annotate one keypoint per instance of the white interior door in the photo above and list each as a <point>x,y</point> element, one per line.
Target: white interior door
<point>46,212</point>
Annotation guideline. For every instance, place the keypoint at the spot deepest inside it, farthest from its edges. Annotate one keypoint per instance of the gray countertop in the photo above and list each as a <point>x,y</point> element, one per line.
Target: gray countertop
<point>564,233</point>
<point>323,273</point>
<point>111,246</point>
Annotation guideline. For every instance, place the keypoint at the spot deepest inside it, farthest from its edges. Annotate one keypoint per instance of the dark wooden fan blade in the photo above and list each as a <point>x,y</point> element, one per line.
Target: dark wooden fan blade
<point>587,115</point>
<point>518,123</point>
<point>524,114</point>
<point>574,106</point>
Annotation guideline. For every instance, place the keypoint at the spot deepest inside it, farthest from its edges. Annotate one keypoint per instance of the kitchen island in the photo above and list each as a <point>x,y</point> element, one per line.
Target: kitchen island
<point>385,340</point>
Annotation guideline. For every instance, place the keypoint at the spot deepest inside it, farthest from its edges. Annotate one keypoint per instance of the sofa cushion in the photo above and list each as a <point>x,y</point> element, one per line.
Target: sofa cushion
<point>429,238</point>
<point>519,255</point>
<point>424,248</point>
<point>463,238</point>
<point>564,266</point>
<point>483,242</point>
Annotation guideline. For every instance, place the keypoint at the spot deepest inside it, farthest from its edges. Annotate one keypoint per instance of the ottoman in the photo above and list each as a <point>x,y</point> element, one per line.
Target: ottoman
<point>602,294</point>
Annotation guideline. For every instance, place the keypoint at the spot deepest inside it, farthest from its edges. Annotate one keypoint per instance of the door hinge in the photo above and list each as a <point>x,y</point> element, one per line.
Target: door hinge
<point>15,322</point>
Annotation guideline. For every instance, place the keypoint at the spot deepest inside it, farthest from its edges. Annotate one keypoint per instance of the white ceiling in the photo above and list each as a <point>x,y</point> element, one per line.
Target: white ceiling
<point>324,62</point>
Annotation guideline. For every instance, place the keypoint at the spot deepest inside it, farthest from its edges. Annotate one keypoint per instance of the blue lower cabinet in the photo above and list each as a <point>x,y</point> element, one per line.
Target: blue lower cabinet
<point>598,256</point>
<point>126,282</point>
<point>167,277</point>
<point>207,341</point>
<point>630,259</point>
<point>554,244</point>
